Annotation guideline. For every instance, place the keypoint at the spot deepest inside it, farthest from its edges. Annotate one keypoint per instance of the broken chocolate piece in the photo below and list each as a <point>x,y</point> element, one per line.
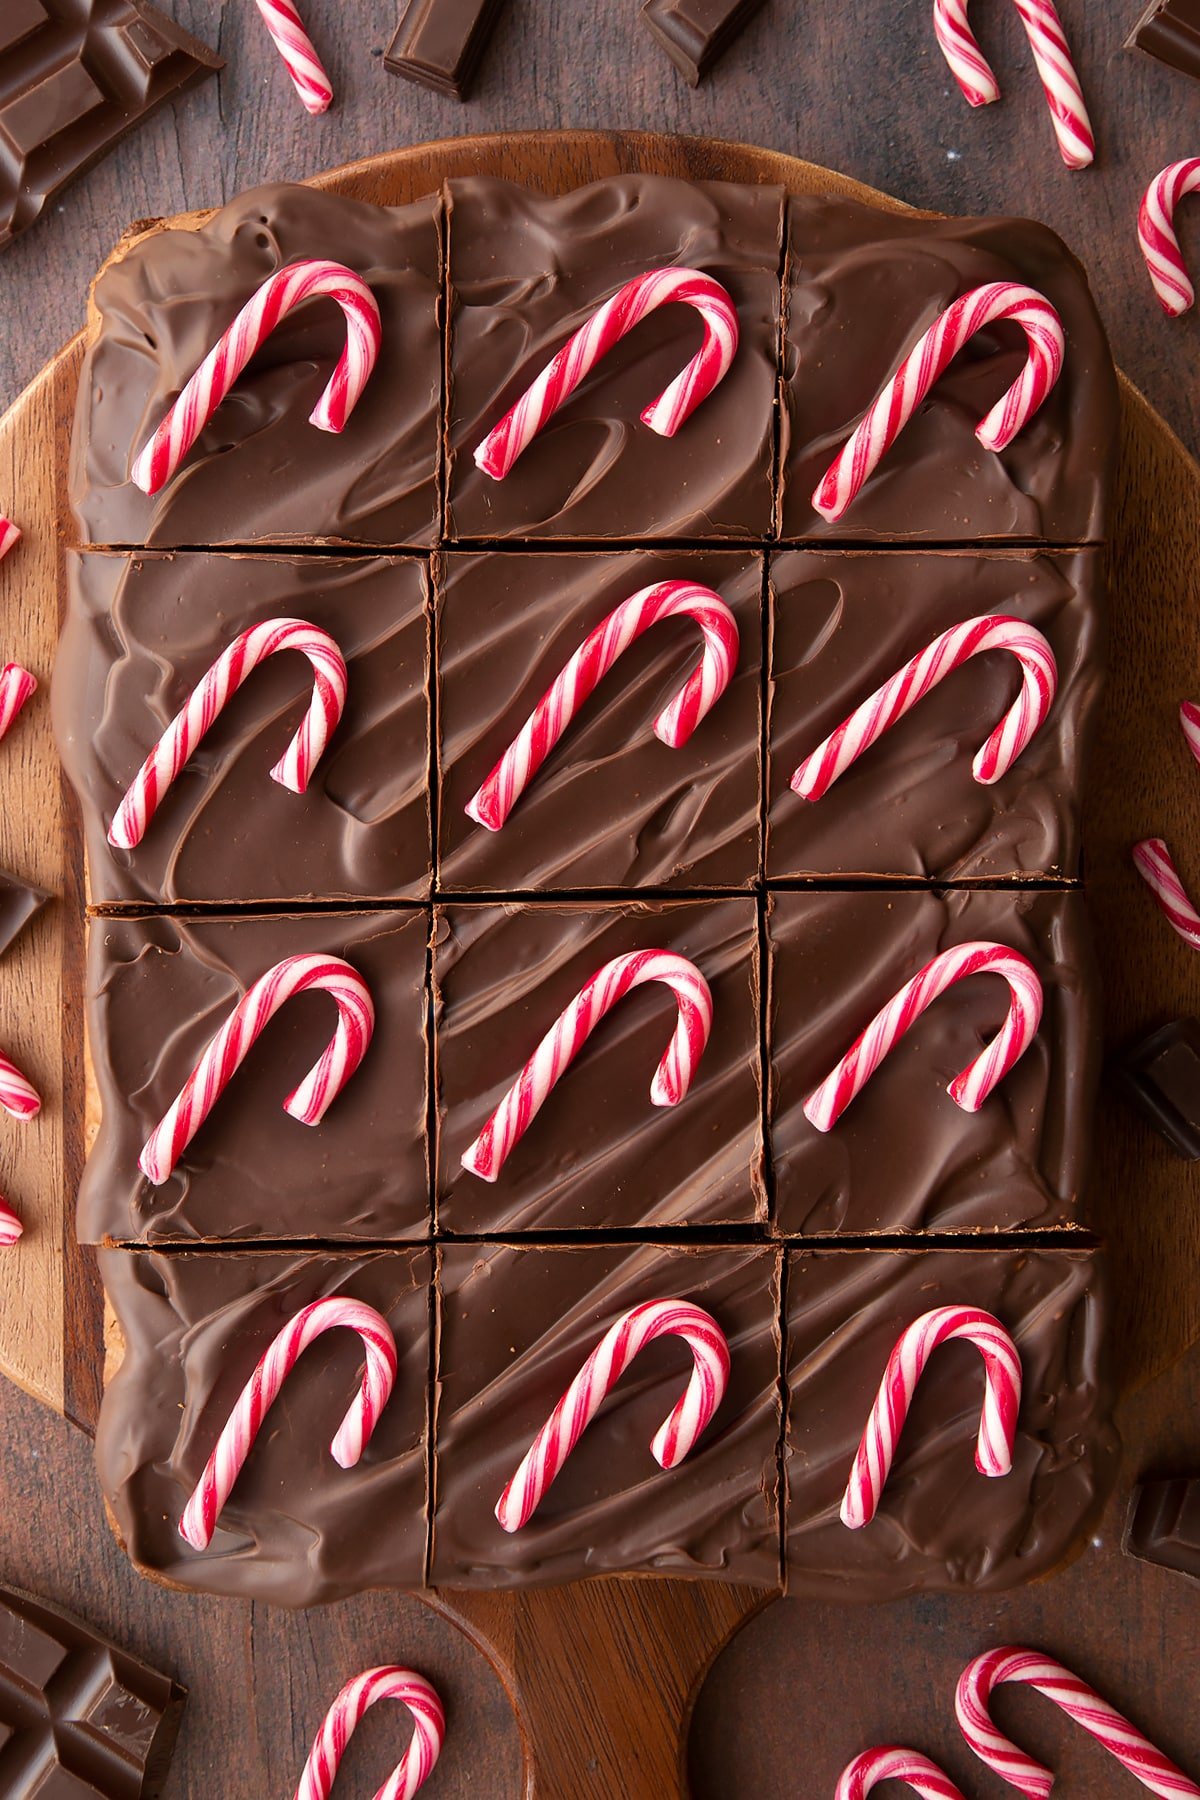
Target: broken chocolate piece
<point>1169,31</point>
<point>1164,1524</point>
<point>696,33</point>
<point>440,43</point>
<point>19,902</point>
<point>1162,1076</point>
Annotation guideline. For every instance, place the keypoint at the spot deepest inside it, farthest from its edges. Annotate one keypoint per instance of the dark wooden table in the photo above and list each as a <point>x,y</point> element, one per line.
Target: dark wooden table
<point>862,89</point>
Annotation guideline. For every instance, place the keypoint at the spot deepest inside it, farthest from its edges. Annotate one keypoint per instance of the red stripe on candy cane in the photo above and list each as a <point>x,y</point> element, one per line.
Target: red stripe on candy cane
<point>298,53</point>
<point>1052,59</point>
<point>1155,864</point>
<point>415,1766</point>
<point>16,685</point>
<point>890,1762</point>
<point>10,534</point>
<point>1159,240</point>
<point>21,1100</point>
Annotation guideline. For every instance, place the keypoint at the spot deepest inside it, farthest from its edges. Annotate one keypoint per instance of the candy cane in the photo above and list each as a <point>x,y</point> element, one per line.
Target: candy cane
<point>9,535</point>
<point>281,293</point>
<point>600,1374</point>
<point>414,1767</point>
<point>1189,719</point>
<point>228,1049</point>
<point>300,58</point>
<point>18,1096</point>
<point>674,725</point>
<point>971,1087</point>
<point>16,685</point>
<point>1159,239</point>
<point>1080,1702</point>
<point>1052,59</point>
<point>919,676</point>
<point>570,1032</point>
<point>1156,866</point>
<point>887,415</point>
<point>892,1763</point>
<point>11,1227</point>
<point>1001,1402</point>
<point>607,326</point>
<point>261,1391</point>
<point>188,727</point>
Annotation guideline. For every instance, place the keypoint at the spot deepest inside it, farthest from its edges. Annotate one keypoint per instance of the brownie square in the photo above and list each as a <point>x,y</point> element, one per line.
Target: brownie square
<point>940,1523</point>
<point>140,635</point>
<point>260,473</point>
<point>158,991</point>
<point>297,1529</point>
<point>526,272</point>
<point>903,1156</point>
<point>612,806</point>
<point>844,623</point>
<point>515,1325</point>
<point>862,288</point>
<point>598,1154</point>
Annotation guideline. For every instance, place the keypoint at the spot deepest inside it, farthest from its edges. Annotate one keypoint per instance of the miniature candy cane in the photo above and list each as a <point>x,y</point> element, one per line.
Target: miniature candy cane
<point>414,1767</point>
<point>188,727</point>
<point>1159,239</point>
<point>599,1374</point>
<point>18,1096</point>
<point>1156,866</point>
<point>300,58</point>
<point>281,293</point>
<point>868,722</point>
<point>261,1391</point>
<point>11,1227</point>
<point>16,685</point>
<point>1080,1702</point>
<point>969,1089</point>
<point>674,725</point>
<point>892,1763</point>
<point>1189,719</point>
<point>887,415</point>
<point>607,326</point>
<point>570,1032</point>
<point>9,535</point>
<point>1052,58</point>
<point>316,1093</point>
<point>1001,1402</point>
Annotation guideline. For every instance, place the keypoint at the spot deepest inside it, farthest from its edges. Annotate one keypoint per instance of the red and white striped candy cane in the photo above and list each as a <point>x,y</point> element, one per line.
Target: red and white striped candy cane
<point>919,676</point>
<point>16,685</point>
<point>1159,239</point>
<point>1189,719</point>
<point>607,326</point>
<point>1156,866</point>
<point>18,1096</point>
<point>281,293</point>
<point>1052,58</point>
<point>1079,1701</point>
<point>575,1025</point>
<point>299,55</point>
<point>1001,1402</point>
<point>316,1093</point>
<point>890,1762</point>
<point>969,1089</point>
<point>887,415</point>
<point>9,535</point>
<point>261,1391</point>
<point>674,725</point>
<point>600,1374</point>
<point>11,1227</point>
<point>414,1767</point>
<point>188,727</point>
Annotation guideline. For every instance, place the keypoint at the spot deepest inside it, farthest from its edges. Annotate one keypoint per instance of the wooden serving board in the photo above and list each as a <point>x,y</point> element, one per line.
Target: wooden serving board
<point>637,1650</point>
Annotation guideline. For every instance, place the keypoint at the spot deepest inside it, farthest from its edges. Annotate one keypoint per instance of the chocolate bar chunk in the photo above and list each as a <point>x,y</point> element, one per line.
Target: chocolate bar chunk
<point>696,33</point>
<point>1164,1524</point>
<point>19,902</point>
<point>1169,31</point>
<point>1162,1077</point>
<point>79,1718</point>
<point>440,43</point>
<point>74,79</point>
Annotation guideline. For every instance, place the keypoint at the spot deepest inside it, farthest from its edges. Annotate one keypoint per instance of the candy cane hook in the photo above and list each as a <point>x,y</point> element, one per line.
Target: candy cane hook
<point>1079,1701</point>
<point>310,1101</point>
<point>298,54</point>
<point>1001,1402</point>
<point>189,726</point>
<point>261,1391</point>
<point>414,1767</point>
<point>493,802</point>
<point>919,676</point>
<point>887,415</point>
<point>1155,864</point>
<point>280,294</point>
<point>1052,59</point>
<point>10,534</point>
<point>1160,241</point>
<point>16,685</point>
<point>21,1100</point>
<point>599,1374</point>
<point>971,1087</point>
<point>574,1026</point>
<point>607,326</point>
<point>890,1762</point>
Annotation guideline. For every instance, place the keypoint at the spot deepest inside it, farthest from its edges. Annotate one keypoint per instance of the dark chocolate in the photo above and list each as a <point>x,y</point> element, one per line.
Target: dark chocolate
<point>1161,1075</point>
<point>440,43</point>
<point>1164,1525</point>
<point>903,1157</point>
<point>696,33</point>
<point>20,901</point>
<point>140,634</point>
<point>1169,31</point>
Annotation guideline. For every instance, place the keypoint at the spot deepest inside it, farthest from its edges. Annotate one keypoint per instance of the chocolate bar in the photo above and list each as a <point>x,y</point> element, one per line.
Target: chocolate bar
<point>1164,1524</point>
<point>1169,31</point>
<point>1161,1075</point>
<point>20,901</point>
<point>440,43</point>
<point>74,79</point>
<point>696,33</point>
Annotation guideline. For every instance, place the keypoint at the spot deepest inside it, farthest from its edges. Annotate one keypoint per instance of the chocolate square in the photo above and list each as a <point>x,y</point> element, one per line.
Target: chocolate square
<point>296,1530</point>
<point>20,901</point>
<point>842,624</point>
<point>598,1154</point>
<point>158,991</point>
<point>1169,31</point>
<point>1164,1524</point>
<point>903,1156</point>
<point>1161,1075</point>
<point>140,635</point>
<point>696,33</point>
<point>515,1325</point>
<point>612,806</point>
<point>527,271</point>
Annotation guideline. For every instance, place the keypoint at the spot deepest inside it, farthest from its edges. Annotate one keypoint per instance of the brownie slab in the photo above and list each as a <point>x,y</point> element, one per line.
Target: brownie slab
<point>598,1154</point>
<point>940,1523</point>
<point>527,271</point>
<point>903,1156</point>
<point>296,1530</point>
<point>515,1326</point>
<point>140,635</point>
<point>844,623</point>
<point>612,806</point>
<point>158,991</point>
